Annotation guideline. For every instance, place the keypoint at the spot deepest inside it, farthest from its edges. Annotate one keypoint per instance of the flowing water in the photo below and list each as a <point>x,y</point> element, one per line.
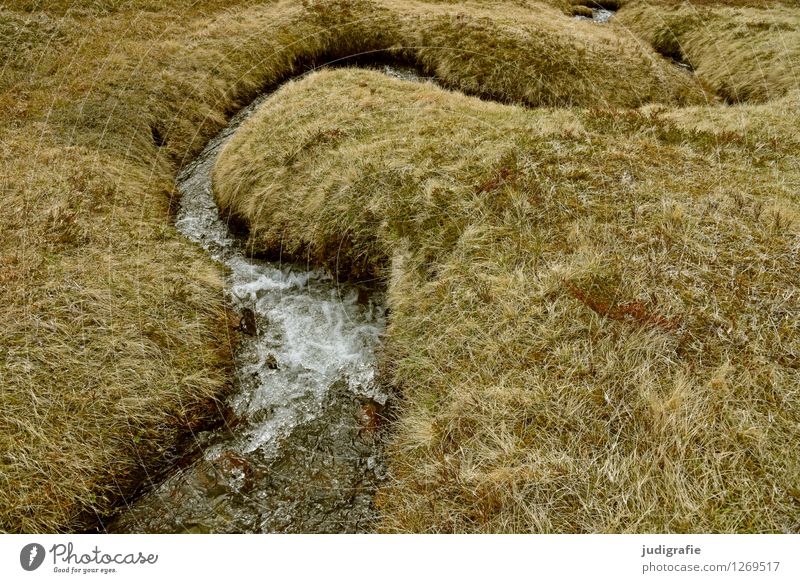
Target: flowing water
<point>301,451</point>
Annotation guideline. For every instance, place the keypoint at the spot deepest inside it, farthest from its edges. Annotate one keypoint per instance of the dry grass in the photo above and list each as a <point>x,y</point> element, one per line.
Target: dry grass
<point>739,48</point>
<point>594,312</point>
<point>115,337</point>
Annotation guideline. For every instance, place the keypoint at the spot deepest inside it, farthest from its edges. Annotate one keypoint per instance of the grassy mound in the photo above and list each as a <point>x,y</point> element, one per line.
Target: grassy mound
<point>741,50</point>
<point>115,337</point>
<point>594,316</point>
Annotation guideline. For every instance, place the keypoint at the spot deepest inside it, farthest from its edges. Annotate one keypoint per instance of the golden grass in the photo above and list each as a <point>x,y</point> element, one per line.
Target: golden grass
<point>741,50</point>
<point>594,320</point>
<point>115,337</point>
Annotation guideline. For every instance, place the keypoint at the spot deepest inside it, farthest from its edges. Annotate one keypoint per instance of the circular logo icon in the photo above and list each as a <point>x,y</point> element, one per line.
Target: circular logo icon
<point>31,556</point>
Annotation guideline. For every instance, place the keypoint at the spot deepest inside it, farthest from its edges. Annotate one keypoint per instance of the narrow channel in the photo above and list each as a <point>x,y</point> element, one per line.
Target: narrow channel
<point>301,451</point>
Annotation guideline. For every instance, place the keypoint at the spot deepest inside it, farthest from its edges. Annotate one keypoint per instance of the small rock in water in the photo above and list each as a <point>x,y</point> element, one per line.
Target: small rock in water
<point>582,12</point>
<point>247,323</point>
<point>270,362</point>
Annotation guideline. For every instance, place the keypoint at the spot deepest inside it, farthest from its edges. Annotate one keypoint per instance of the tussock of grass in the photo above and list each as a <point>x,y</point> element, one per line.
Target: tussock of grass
<point>115,337</point>
<point>594,316</point>
<point>742,51</point>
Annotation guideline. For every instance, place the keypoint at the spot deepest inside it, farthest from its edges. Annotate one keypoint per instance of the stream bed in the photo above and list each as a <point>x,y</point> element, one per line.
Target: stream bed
<point>301,450</point>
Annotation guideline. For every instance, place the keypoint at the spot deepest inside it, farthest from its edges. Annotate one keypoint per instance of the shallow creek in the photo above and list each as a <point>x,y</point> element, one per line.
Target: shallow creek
<point>301,450</point>
<point>599,15</point>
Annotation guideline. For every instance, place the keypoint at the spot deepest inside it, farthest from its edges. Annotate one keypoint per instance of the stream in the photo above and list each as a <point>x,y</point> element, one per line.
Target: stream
<point>301,450</point>
<point>599,15</point>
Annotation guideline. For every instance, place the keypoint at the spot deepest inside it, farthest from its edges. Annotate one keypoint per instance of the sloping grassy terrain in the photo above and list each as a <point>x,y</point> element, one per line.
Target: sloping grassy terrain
<point>745,50</point>
<point>115,338</point>
<point>594,315</point>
